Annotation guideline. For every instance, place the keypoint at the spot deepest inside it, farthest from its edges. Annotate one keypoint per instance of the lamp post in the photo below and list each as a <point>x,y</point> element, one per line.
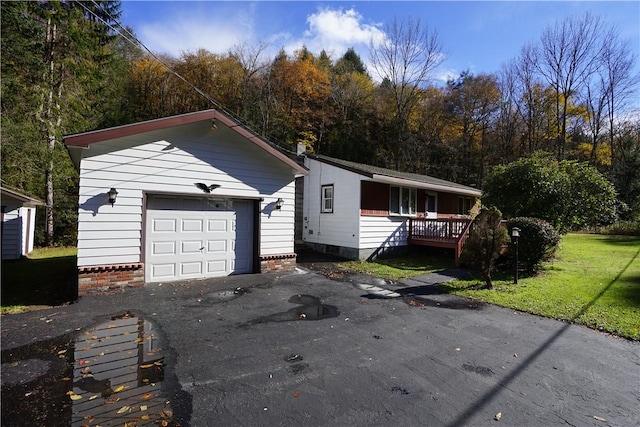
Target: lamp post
<point>515,235</point>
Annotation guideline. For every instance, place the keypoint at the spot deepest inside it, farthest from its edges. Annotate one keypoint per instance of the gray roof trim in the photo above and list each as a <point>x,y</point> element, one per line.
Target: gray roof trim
<point>391,176</point>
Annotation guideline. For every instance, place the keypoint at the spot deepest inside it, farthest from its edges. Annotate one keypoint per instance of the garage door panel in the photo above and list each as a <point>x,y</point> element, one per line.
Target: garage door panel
<point>191,225</point>
<point>219,266</point>
<point>214,246</point>
<point>198,238</point>
<point>217,225</point>
<point>163,248</point>
<point>163,270</point>
<point>191,268</point>
<point>164,225</point>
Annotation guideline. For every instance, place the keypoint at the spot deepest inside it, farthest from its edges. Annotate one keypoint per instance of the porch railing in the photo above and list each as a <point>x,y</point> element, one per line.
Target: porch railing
<point>450,233</point>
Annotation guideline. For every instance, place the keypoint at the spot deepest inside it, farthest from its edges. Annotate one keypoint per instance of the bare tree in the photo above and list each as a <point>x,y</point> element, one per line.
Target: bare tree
<point>567,56</point>
<point>404,61</point>
<point>608,89</point>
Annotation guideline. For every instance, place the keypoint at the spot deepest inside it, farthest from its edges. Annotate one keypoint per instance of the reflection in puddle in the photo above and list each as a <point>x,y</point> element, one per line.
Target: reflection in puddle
<point>310,308</point>
<point>108,375</point>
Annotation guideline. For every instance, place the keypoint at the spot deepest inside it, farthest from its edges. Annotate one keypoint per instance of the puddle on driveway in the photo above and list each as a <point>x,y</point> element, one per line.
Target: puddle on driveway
<point>110,374</point>
<point>310,308</point>
<point>219,297</point>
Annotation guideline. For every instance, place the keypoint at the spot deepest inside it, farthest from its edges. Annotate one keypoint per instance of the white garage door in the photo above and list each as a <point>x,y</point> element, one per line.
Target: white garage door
<point>189,237</point>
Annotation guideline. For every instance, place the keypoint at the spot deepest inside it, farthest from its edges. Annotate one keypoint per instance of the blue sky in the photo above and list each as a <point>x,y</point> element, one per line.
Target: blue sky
<point>476,36</point>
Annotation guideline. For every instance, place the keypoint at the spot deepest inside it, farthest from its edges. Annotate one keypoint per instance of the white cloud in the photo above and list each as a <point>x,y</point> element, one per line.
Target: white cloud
<point>336,30</point>
<point>190,32</point>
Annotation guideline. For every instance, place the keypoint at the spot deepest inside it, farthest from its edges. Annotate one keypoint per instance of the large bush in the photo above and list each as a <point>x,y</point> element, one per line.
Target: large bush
<point>567,194</point>
<point>537,243</point>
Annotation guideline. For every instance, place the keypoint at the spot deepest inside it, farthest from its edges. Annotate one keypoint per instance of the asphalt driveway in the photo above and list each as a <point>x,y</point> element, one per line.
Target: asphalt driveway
<point>305,349</point>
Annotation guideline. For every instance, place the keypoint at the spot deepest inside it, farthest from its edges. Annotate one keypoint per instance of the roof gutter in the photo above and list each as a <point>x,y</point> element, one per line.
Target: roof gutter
<point>423,185</point>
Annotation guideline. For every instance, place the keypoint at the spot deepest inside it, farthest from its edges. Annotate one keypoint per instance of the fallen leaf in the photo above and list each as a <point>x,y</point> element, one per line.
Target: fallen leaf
<point>296,393</point>
<point>515,354</point>
<point>498,416</point>
<point>119,389</point>
<point>75,396</point>
<point>28,394</point>
<point>599,418</point>
<point>148,365</point>
<point>62,351</point>
<point>112,400</point>
<point>124,409</point>
<point>66,379</point>
<point>144,417</point>
<point>95,396</point>
<point>147,396</point>
<point>143,407</point>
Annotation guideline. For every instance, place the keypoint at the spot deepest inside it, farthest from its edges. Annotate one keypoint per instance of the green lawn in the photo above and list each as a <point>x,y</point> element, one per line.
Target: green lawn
<point>398,268</point>
<point>47,277</point>
<point>594,281</point>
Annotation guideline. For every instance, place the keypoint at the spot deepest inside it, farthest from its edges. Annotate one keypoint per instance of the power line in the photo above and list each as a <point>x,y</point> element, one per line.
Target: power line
<point>131,38</point>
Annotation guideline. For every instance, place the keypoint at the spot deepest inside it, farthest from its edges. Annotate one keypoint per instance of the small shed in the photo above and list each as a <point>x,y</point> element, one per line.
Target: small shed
<point>18,223</point>
<point>185,197</point>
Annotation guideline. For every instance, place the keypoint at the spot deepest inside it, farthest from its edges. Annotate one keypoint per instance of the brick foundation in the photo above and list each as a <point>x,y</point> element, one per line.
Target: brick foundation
<point>96,278</point>
<point>276,263</point>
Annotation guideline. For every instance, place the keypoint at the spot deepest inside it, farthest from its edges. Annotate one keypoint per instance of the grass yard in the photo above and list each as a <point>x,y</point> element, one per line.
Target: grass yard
<point>410,265</point>
<point>594,281</point>
<point>47,277</point>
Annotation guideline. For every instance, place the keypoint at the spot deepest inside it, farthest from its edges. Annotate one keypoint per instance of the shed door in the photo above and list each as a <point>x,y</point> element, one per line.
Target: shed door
<point>188,237</point>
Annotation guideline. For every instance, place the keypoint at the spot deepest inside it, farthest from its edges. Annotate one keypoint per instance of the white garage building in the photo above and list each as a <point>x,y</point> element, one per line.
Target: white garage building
<point>185,197</point>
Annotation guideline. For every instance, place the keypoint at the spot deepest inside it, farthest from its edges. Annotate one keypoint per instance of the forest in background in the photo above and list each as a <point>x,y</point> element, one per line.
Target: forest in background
<point>67,67</point>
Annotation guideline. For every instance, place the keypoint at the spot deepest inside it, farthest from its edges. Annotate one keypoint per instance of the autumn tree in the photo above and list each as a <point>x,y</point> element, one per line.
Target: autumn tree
<point>404,60</point>
<point>472,102</point>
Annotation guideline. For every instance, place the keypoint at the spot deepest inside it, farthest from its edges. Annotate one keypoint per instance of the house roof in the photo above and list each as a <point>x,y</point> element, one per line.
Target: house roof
<point>86,139</point>
<point>22,198</point>
<point>391,176</point>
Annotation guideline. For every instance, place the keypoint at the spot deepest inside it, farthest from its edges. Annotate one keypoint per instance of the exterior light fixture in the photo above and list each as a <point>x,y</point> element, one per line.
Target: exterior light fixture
<point>515,235</point>
<point>112,196</point>
<point>279,204</point>
<point>213,125</point>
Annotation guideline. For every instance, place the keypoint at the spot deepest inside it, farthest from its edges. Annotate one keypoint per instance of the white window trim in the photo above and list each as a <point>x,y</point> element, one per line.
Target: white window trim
<point>323,209</point>
<point>413,201</point>
<point>427,213</point>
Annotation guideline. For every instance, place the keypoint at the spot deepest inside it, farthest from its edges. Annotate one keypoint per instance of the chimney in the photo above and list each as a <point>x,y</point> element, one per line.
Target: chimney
<point>301,149</point>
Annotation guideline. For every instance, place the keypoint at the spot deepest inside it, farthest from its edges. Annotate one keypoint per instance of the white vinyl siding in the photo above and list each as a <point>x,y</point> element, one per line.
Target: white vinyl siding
<point>18,228</point>
<point>341,227</point>
<point>382,232</point>
<point>171,161</point>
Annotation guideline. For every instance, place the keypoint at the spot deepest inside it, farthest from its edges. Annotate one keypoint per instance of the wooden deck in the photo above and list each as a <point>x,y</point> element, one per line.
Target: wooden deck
<point>443,233</point>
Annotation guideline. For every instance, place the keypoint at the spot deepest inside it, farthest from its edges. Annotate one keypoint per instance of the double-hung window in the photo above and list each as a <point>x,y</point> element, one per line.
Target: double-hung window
<point>402,200</point>
<point>326,202</point>
<point>464,205</point>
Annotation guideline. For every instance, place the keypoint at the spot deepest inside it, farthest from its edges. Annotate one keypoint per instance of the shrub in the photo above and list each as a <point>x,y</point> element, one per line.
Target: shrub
<point>485,242</point>
<point>538,242</point>
<point>623,228</point>
<point>567,194</point>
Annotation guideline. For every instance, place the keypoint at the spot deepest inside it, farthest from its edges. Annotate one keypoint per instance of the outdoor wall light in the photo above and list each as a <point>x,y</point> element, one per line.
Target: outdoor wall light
<point>515,235</point>
<point>279,203</point>
<point>112,195</point>
<point>213,125</point>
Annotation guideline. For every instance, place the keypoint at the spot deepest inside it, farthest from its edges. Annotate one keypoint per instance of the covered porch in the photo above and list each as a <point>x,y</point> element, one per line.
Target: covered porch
<point>450,233</point>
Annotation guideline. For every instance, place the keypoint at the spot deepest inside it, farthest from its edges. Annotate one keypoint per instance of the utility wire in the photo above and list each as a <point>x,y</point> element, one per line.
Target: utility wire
<point>128,36</point>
